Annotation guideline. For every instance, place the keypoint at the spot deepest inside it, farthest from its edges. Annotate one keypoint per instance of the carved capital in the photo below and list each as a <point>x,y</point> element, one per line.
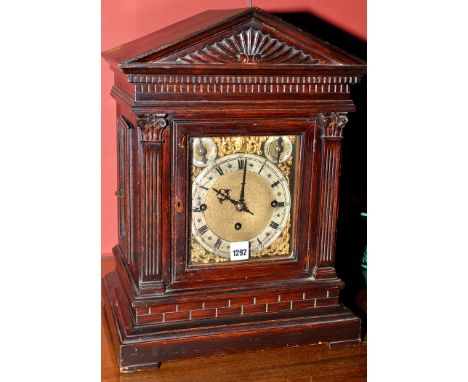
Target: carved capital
<point>152,126</point>
<point>332,124</point>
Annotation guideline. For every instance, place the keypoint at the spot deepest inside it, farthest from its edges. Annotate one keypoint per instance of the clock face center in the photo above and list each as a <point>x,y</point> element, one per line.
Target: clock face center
<point>240,206</point>
<point>223,218</point>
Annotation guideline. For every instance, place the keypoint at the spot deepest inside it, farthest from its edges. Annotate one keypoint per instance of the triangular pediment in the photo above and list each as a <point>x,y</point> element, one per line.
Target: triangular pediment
<point>246,38</point>
<point>249,46</point>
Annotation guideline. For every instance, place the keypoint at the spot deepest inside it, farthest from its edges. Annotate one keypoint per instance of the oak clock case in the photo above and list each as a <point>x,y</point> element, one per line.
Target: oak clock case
<point>229,130</point>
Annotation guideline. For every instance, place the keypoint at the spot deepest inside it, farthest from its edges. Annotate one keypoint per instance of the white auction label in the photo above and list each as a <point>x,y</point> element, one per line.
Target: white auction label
<point>239,250</point>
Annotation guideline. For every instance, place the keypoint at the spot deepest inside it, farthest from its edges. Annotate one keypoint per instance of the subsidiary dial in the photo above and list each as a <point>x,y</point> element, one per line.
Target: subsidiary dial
<point>278,149</point>
<point>204,151</point>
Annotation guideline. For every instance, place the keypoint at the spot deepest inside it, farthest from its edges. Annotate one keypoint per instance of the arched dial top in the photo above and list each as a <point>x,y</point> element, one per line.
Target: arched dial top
<point>239,197</point>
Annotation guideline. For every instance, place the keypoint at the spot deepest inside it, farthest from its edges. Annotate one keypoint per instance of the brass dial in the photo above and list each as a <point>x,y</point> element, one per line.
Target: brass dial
<point>239,197</point>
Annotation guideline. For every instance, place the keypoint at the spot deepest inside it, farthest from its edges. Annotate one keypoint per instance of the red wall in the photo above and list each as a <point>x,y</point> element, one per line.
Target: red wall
<point>126,20</point>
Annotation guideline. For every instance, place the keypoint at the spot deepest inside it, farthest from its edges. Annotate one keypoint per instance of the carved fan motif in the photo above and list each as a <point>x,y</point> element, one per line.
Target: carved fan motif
<point>249,47</point>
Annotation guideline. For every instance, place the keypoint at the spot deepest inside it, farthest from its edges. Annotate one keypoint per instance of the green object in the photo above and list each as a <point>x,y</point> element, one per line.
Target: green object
<point>364,255</point>
<point>364,259</point>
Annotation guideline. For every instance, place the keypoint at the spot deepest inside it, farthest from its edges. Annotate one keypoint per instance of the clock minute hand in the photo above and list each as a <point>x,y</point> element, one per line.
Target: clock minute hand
<point>240,205</point>
<point>241,197</point>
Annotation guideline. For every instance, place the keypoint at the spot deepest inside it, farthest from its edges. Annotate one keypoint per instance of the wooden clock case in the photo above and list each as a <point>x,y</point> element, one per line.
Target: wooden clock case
<point>229,72</point>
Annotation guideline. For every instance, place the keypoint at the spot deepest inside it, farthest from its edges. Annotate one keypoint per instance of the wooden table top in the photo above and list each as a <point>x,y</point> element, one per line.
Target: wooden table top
<point>298,364</point>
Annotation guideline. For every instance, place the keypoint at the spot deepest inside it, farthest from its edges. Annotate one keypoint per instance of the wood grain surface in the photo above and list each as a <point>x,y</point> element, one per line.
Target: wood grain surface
<point>298,364</point>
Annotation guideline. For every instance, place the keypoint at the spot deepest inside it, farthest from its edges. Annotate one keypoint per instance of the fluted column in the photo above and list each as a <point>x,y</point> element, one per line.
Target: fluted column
<point>331,128</point>
<point>151,127</point>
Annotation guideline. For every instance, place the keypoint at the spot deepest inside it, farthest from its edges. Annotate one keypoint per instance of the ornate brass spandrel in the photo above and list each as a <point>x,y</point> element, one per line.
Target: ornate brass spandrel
<point>201,256</point>
<point>285,167</point>
<point>232,145</point>
<point>195,172</point>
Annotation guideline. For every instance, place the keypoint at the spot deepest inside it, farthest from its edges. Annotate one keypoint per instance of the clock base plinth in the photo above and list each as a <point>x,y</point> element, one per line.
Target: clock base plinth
<point>140,347</point>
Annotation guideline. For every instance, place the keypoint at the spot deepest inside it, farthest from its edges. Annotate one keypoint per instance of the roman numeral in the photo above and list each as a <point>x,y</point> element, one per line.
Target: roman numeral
<point>218,243</point>
<point>203,229</point>
<point>197,209</point>
<point>219,169</point>
<point>204,188</point>
<point>274,225</point>
<point>259,242</point>
<point>275,184</point>
<point>241,163</point>
<point>280,204</point>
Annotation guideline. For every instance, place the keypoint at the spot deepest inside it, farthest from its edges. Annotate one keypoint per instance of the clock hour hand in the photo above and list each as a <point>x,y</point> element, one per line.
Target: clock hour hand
<point>223,195</point>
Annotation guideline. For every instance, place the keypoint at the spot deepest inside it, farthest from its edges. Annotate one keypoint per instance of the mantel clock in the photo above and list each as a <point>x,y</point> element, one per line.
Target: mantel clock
<point>229,129</point>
